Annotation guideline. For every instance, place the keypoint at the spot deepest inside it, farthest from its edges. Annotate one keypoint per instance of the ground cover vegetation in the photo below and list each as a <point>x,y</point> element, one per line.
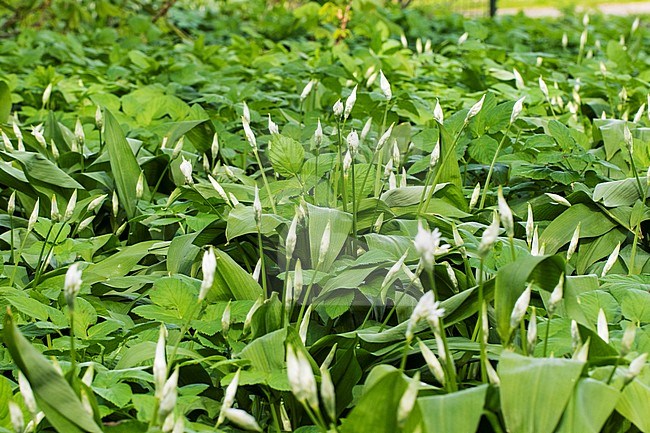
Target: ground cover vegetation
<point>318,217</point>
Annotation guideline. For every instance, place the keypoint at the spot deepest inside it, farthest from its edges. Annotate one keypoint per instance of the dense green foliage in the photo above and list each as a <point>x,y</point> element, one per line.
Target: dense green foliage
<point>136,154</point>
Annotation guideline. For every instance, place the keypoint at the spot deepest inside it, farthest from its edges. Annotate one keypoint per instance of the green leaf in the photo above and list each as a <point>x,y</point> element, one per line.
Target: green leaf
<point>633,404</point>
<point>511,282</point>
<point>286,155</point>
<point>5,102</point>
<point>535,391</point>
<point>231,281</point>
<point>54,396</point>
<point>340,225</point>
<point>241,221</point>
<point>459,412</point>
<point>39,169</point>
<point>617,193</point>
<point>124,166</point>
<point>590,405</point>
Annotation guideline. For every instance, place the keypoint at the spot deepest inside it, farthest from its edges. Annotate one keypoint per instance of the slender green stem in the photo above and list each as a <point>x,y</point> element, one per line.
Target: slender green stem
<point>307,293</point>
<point>481,337</point>
<point>512,248</point>
<point>11,238</point>
<point>494,160</point>
<point>17,258</point>
<point>286,309</point>
<point>635,243</point>
<point>260,247</point>
<point>546,333</point>
<point>354,206</point>
<point>405,352</point>
<point>636,175</point>
<point>73,352</point>
<point>265,180</point>
<point>611,375</point>
<point>40,267</point>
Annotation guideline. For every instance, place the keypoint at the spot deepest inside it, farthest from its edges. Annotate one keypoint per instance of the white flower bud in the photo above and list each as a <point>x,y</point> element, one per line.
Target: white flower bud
<point>338,109</point>
<point>96,203</point>
<point>246,113</point>
<point>565,40</point>
<point>629,139</point>
<point>628,339</point>
<point>7,142</point>
<point>169,396</point>
<point>530,225</point>
<point>519,80</point>
<point>349,102</point>
<point>27,393</point>
<point>403,40</point>
<point>186,169</point>
<point>407,402</point>
<point>490,235</point>
<point>432,363</point>
<point>601,326</point>
<point>307,89</point>
<point>611,260</point>
<point>635,25</point>
<point>517,109</point>
<point>38,135</point>
<point>242,419</point>
<point>257,206</point>
<point>115,203</point>
<point>376,227</point>
<point>46,94</point>
<point>301,378</point>
<point>366,129</point>
<point>55,216</point>
<point>476,108</point>
<point>34,216</point>
<point>16,416</point>
<point>543,87</point>
<point>292,237</point>
<point>85,223</point>
<point>573,245</point>
<point>160,362</point>
<point>225,319</point>
<point>531,334</point>
<point>318,134</point>
<point>558,199</point>
<point>392,181</point>
<point>209,268</point>
<point>250,136</point>
<point>583,39</point>
<point>353,141</point>
<point>576,341</point>
<point>463,38</point>
<point>475,195</point>
<point>69,210</point>
<point>385,85</point>
<point>325,243</point>
<point>347,163</point>
<point>506,215</point>
<point>639,114</point>
<point>438,115</point>
<point>72,284</point>
<point>585,20</point>
<point>519,310</point>
<point>139,186</point>
<point>217,187</point>
<point>435,154</point>
<point>637,364</point>
<point>273,127</point>
<point>99,118</point>
<point>79,134</point>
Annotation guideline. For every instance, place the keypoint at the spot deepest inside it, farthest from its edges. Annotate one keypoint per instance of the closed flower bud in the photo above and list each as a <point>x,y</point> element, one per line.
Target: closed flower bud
<point>520,307</point>
<point>307,89</point>
<point>366,129</point>
<point>519,80</point>
<point>301,378</point>
<point>530,225</point>
<point>565,40</point>
<point>490,235</point>
<point>139,186</point>
<point>349,102</point>
<point>432,363</point>
<point>556,296</point>
<point>6,142</point>
<point>475,195</point>
<point>99,118</point>
<point>169,396</point>
<point>273,127</point>
<point>46,94</point>
<point>407,402</point>
<point>476,108</point>
<point>292,237</point>
<point>505,215</point>
<point>225,319</point>
<point>463,38</point>
<point>338,109</point>
<point>257,206</point>
<point>629,139</point>
<point>573,245</point>
<point>385,85</point>
<point>385,136</point>
<point>543,87</point>
<point>96,203</point>
<point>611,260</point>
<point>79,134</point>
<point>250,136</point>
<point>435,155</point>
<point>115,203</point>
<point>558,199</point>
<point>531,334</point>
<point>438,115</point>
<point>628,339</point>
<point>27,393</point>
<point>72,203</point>
<point>16,416</point>
<point>242,419</point>
<point>325,243</point>
<point>186,169</point>
<point>219,189</point>
<point>639,114</point>
<point>318,135</point>
<point>601,326</point>
<point>72,284</point>
<point>517,109</point>
<point>11,203</point>
<point>86,223</point>
<point>34,216</point>
<point>347,163</point>
<point>209,268</point>
<point>353,141</point>
<point>637,364</point>
<point>55,216</point>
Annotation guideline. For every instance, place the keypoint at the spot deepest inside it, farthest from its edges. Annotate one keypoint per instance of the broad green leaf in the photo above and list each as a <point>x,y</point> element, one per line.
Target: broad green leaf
<point>5,102</point>
<point>340,225</point>
<point>286,155</point>
<point>124,165</point>
<point>39,169</point>
<point>535,391</point>
<point>241,221</point>
<point>459,412</point>
<point>617,193</point>
<point>231,281</point>
<point>590,405</point>
<point>54,396</point>
<point>633,404</point>
<point>512,279</point>
<point>560,230</point>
